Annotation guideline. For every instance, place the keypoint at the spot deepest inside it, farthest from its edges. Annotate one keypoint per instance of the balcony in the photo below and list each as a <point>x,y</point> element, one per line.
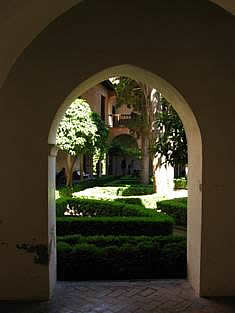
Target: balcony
<point>119,120</point>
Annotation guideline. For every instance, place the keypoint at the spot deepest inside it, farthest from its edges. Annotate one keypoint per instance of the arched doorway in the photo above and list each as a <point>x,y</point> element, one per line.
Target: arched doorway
<point>194,148</point>
<point>121,160</point>
<point>57,62</point>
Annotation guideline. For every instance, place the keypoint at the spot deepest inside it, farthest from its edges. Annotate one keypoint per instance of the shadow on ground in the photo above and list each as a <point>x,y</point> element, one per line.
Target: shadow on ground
<point>149,296</point>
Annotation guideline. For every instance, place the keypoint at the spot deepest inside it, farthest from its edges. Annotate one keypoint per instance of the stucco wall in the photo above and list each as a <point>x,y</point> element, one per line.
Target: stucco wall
<point>189,44</point>
<point>93,98</point>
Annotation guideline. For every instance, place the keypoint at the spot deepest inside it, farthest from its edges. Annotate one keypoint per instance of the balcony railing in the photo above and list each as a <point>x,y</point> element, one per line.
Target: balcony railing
<point>120,120</point>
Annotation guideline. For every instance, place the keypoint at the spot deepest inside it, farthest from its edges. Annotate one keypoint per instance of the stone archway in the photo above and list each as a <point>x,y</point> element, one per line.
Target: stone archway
<point>194,149</point>
<point>29,19</point>
<point>123,161</point>
<point>198,81</point>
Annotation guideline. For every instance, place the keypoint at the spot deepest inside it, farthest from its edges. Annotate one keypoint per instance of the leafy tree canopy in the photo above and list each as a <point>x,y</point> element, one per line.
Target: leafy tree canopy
<point>171,143</point>
<point>144,102</point>
<point>125,145</point>
<point>155,118</point>
<point>81,130</point>
<point>101,139</point>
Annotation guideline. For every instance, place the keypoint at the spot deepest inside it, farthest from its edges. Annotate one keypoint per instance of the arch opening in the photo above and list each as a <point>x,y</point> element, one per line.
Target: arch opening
<point>121,162</point>
<point>194,151</point>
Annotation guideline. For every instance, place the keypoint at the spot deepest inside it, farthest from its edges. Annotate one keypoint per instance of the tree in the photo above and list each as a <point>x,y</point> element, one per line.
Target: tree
<point>116,148</point>
<point>144,101</point>
<point>154,120</point>
<point>80,132</point>
<point>101,140</point>
<point>171,142</point>
<point>125,145</point>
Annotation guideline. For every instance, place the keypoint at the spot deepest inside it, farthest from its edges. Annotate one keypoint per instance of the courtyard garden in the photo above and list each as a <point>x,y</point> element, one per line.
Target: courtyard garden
<point>115,228</point>
<point>120,226</point>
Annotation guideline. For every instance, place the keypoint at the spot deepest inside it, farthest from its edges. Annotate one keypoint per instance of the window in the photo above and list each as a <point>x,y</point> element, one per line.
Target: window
<point>102,108</point>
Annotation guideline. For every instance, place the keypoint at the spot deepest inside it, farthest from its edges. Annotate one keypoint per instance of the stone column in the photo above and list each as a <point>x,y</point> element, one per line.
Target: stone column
<point>52,153</point>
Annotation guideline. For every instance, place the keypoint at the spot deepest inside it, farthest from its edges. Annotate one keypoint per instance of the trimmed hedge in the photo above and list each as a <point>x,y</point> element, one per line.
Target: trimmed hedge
<point>145,202</point>
<point>159,224</point>
<point>93,207</point>
<point>176,208</point>
<point>123,181</point>
<point>148,201</point>
<point>110,240</point>
<point>180,183</point>
<point>138,190</point>
<point>134,201</point>
<point>97,182</point>
<point>61,206</point>
<point>84,258</point>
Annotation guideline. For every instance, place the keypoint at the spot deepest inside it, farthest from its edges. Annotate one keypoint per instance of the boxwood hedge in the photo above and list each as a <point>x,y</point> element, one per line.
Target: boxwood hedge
<point>92,207</point>
<point>180,183</point>
<point>137,190</point>
<point>83,258</point>
<point>159,224</point>
<point>176,208</point>
<point>81,185</point>
<point>104,241</point>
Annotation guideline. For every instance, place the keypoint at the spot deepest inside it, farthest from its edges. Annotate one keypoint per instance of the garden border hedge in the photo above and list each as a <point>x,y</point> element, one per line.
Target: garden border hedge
<point>82,185</point>
<point>136,257</point>
<point>180,183</point>
<point>176,208</point>
<point>135,190</point>
<point>150,226</point>
<point>93,207</point>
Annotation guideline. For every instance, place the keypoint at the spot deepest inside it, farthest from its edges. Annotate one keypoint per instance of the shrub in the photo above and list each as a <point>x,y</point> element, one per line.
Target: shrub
<point>145,202</point>
<point>104,241</point>
<point>173,258</point>
<point>68,191</point>
<point>137,190</point>
<point>63,246</point>
<point>93,207</point>
<point>97,182</point>
<point>135,201</point>
<point>108,207</point>
<point>176,208</point>
<point>61,206</point>
<point>180,183</point>
<point>120,257</point>
<point>158,224</point>
<point>122,181</point>
<point>97,193</point>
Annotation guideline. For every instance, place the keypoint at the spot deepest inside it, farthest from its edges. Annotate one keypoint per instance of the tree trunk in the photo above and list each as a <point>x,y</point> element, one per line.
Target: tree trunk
<point>156,164</point>
<point>91,166</point>
<point>144,174</point>
<point>106,164</point>
<point>81,159</point>
<point>70,162</point>
<point>99,169</point>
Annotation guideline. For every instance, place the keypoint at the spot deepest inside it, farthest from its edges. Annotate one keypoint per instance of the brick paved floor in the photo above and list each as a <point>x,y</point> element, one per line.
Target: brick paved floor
<point>159,296</point>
